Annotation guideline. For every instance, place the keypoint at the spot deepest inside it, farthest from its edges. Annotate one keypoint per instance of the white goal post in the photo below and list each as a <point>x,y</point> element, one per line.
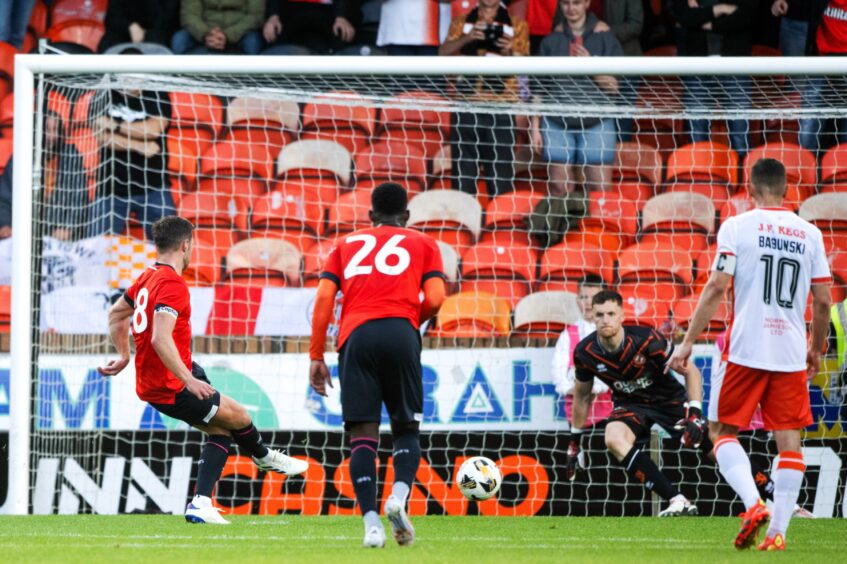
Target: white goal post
<point>24,320</point>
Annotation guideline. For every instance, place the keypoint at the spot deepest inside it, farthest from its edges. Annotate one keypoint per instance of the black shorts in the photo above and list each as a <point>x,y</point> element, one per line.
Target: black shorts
<point>641,417</point>
<point>186,407</point>
<point>380,362</point>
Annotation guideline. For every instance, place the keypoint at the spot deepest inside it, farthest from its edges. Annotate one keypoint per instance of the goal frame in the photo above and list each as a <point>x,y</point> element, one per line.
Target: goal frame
<point>25,180</point>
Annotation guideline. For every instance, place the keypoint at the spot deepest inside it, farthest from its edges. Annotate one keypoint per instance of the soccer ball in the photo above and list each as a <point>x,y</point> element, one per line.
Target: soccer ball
<point>479,478</point>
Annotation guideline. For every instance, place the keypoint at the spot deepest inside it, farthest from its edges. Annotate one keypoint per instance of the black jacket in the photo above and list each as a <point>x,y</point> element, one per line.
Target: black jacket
<point>160,19</point>
<point>731,36</point>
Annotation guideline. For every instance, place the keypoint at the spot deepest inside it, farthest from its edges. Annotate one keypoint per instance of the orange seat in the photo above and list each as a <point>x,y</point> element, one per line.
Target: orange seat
<point>7,68</point>
<point>827,211</point>
<point>196,118</point>
<point>637,162</point>
<point>7,112</point>
<point>801,167</point>
<point>205,268</point>
<point>718,193</point>
<point>511,210</point>
<point>512,291</point>
<point>80,116</point>
<point>507,237</point>
<point>838,267</point>
<point>447,215</point>
<point>473,315</point>
<point>38,19</point>
<point>58,104</point>
<point>68,10</point>
<point>322,165</point>
<point>344,117</point>
<point>5,309</point>
<point>655,262</point>
<point>683,311</point>
<point>545,314</point>
<point>570,261</point>
<point>183,164</point>
<point>230,158</point>
<point>736,205</point>
<point>702,162</point>
<point>392,161</point>
<point>611,214</point>
<point>5,152</point>
<point>703,266</point>
<point>264,262</point>
<point>263,121</point>
<point>507,272</point>
<point>313,261</point>
<point>834,169</point>
<point>416,119</point>
<point>636,192</point>
<point>291,212</point>
<point>349,212</point>
<point>209,209</point>
<point>81,32</point>
<point>641,307</point>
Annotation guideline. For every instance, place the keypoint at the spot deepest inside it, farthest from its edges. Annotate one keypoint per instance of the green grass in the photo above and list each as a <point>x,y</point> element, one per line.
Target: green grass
<point>291,538</point>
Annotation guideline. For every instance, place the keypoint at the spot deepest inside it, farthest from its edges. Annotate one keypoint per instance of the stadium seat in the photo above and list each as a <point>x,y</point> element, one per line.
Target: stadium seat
<point>545,314</point>
<point>292,212</point>
<point>684,220</point>
<point>416,119</point>
<point>343,117</point>
<point>442,167</point>
<point>447,215</point>
<point>205,268</point>
<point>683,311</point>
<point>212,209</point>
<point>391,161</point>
<point>183,164</point>
<point>510,210</point>
<point>322,165</point>
<point>38,19</point>
<point>637,162</point>
<point>838,267</point>
<point>717,193</point>
<point>7,116</point>
<point>611,217</point>
<point>506,272</point>
<point>642,305</point>
<point>834,169</point>
<point>59,104</point>
<point>736,205</point>
<point>827,211</point>
<point>69,10</point>
<point>5,309</point>
<point>81,114</point>
<point>450,262</point>
<point>655,262</point>
<point>234,168</point>
<point>313,261</point>
<point>7,68</point>
<point>569,262</point>
<point>703,266</point>
<point>473,315</point>
<point>349,212</point>
<point>196,118</point>
<point>801,167</point>
<point>263,121</point>
<point>81,32</point>
<point>5,152</point>
<point>264,262</point>
<point>704,167</point>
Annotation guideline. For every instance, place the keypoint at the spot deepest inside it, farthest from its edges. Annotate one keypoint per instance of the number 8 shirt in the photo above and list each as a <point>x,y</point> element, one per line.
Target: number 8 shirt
<point>380,272</point>
<point>159,289</point>
<point>774,257</point>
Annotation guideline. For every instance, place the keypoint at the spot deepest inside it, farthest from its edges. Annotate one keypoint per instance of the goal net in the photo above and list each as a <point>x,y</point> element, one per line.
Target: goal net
<point>539,179</point>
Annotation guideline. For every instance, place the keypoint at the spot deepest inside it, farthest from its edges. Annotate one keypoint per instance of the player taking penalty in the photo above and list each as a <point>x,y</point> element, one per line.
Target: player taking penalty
<point>158,310</point>
<point>770,260</point>
<point>381,272</point>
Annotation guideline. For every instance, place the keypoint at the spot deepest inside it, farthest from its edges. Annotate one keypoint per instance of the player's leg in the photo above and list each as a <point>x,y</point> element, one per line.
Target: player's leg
<point>786,409</point>
<point>406,458</point>
<point>364,440</point>
<point>761,476</point>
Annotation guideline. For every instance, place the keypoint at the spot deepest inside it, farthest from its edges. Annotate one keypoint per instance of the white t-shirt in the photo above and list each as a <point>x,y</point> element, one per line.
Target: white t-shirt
<point>774,256</point>
<point>563,370</point>
<point>413,22</point>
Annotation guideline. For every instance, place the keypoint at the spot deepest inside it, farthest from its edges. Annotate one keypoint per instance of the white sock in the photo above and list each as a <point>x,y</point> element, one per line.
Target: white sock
<point>201,501</point>
<point>734,466</point>
<point>787,480</point>
<point>372,520</point>
<point>400,490</point>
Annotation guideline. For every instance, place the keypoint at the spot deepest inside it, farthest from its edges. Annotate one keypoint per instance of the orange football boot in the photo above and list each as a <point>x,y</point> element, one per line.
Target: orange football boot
<point>752,521</point>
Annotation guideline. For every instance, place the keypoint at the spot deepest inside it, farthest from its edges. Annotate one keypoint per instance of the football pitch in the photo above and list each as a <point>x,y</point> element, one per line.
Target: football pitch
<point>292,538</point>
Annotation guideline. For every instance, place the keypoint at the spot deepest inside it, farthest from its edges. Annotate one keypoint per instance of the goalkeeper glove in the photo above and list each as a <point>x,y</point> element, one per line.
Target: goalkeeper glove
<point>693,426</point>
<point>575,456</point>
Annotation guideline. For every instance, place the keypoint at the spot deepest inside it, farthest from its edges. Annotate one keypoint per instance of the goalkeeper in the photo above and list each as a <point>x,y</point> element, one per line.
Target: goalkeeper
<point>631,361</point>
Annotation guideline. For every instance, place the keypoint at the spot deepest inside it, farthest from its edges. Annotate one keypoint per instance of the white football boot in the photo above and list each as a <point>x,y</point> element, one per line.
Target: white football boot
<point>200,510</point>
<point>374,537</point>
<point>278,461</point>
<point>404,532</point>
<point>679,507</point>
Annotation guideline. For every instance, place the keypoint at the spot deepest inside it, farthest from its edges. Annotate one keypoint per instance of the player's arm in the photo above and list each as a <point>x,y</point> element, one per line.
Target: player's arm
<point>821,304</point>
<point>119,316</point>
<point>319,375</point>
<point>582,398</point>
<point>434,293</point>
<point>163,343</point>
<point>710,300</point>
<point>693,424</point>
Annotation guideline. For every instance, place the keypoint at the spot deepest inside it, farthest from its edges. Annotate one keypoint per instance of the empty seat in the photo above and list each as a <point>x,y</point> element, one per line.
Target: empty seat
<point>417,119</point>
<point>507,272</point>
<point>510,210</point>
<point>67,10</point>
<point>801,167</point>
<point>450,262</point>
<point>838,267</point>
<point>683,311</point>
<point>612,220</point>
<point>313,261</point>
<point>264,262</point>
<point>38,19</point>
<point>291,212</point>
<point>7,115</point>
<point>655,262</point>
<point>703,266</point>
<point>320,164</point>
<point>5,309</point>
<point>205,268</point>
<point>5,153</point>
<point>637,162</point>
<point>641,306</point>
<point>570,262</point>
<point>196,118</point>
<point>263,121</point>
<point>235,169</point>
<point>545,314</point>
<point>7,67</point>
<point>834,169</point>
<point>703,162</point>
<point>442,168</point>
<point>447,215</point>
<point>350,212</point>
<point>209,209</point>
<point>81,32</point>
<point>473,315</point>
<point>342,117</point>
<point>679,211</point>
<point>183,164</point>
<point>827,211</point>
<point>392,161</point>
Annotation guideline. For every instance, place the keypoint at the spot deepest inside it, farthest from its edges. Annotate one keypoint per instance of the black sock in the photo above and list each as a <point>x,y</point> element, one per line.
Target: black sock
<point>639,466</point>
<point>407,457</point>
<point>763,480</point>
<point>363,472</point>
<point>211,464</point>
<point>250,440</point>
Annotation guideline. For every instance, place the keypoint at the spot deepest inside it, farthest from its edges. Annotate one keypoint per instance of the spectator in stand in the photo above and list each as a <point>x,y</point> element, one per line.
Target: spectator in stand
<point>412,27</point>
<point>219,26</point>
<point>306,27</point>
<point>624,18</point>
<point>798,25</point>
<point>65,186</point>
<point>830,41</point>
<point>14,17</point>
<point>722,29</point>
<point>139,22</point>
<point>134,178</point>
<point>581,141</point>
<point>485,140</point>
